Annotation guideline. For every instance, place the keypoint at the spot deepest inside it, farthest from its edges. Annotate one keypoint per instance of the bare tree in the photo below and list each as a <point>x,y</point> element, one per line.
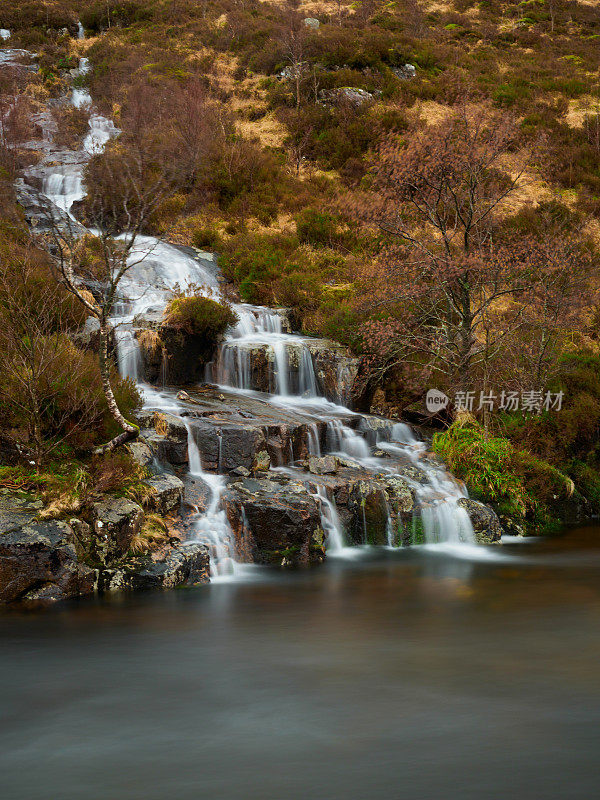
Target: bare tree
<point>436,201</point>
<point>124,190</point>
<point>293,42</point>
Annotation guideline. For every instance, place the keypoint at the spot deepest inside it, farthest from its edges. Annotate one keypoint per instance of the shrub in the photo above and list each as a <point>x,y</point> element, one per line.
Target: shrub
<point>518,483</point>
<point>200,316</point>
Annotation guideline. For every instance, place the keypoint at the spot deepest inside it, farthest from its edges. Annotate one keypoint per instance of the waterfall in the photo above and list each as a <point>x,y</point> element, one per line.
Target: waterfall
<point>63,188</point>
<point>212,527</point>
<point>307,380</point>
<point>443,520</point>
<point>312,437</point>
<point>281,367</point>
<point>80,30</point>
<point>342,439</point>
<point>156,268</point>
<point>330,520</point>
<point>128,354</point>
<point>4,34</point>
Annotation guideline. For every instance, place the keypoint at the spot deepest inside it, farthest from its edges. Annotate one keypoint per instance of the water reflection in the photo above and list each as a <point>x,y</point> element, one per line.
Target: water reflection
<point>419,673</point>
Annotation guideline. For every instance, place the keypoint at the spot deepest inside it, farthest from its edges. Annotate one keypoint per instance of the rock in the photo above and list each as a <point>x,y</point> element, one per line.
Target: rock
<point>225,445</point>
<point>166,435</point>
<point>141,452</point>
<point>345,94</point>
<point>153,356</point>
<point>275,523</point>
<point>116,521</point>
<point>406,72</point>
<point>486,524</point>
<point>241,472</point>
<point>167,492</point>
<point>187,564</point>
<point>183,396</point>
<point>262,461</point>
<point>335,369</point>
<point>186,355</point>
<point>311,22</point>
<point>323,465</point>
<point>368,507</point>
<point>39,562</point>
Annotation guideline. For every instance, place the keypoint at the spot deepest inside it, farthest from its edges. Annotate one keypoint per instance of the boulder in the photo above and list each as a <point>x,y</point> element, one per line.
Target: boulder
<point>141,452</point>
<point>186,564</point>
<point>311,22</point>
<point>406,72</point>
<point>227,445</point>
<point>275,523</point>
<point>153,356</point>
<point>324,465</point>
<point>38,562</point>
<point>335,369</point>
<point>167,492</point>
<point>115,521</point>
<point>350,95</point>
<point>166,435</point>
<point>486,524</point>
<point>186,355</point>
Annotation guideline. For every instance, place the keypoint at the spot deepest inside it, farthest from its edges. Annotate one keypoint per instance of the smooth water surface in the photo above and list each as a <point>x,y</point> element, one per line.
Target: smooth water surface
<point>423,673</point>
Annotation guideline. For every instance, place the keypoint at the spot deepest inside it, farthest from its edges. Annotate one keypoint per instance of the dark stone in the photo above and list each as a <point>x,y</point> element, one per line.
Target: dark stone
<point>168,492</point>
<point>186,355</point>
<point>38,562</point>
<point>166,435</point>
<point>323,465</point>
<point>116,521</point>
<point>274,523</point>
<point>486,524</point>
<point>187,564</point>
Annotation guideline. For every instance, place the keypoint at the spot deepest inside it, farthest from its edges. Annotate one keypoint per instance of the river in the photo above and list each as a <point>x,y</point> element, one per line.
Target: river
<point>415,673</point>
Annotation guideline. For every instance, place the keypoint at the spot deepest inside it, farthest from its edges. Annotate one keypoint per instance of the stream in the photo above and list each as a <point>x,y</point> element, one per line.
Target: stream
<point>412,673</point>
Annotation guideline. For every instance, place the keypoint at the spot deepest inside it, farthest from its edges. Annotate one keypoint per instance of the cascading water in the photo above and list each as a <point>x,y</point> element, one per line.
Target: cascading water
<point>156,269</point>
<point>330,521</point>
<point>211,527</point>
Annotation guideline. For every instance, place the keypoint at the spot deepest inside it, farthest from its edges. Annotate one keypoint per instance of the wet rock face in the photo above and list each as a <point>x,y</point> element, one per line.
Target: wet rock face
<point>486,524</point>
<point>335,369</point>
<point>274,523</point>
<point>166,435</point>
<point>38,562</point>
<point>186,564</point>
<point>186,355</point>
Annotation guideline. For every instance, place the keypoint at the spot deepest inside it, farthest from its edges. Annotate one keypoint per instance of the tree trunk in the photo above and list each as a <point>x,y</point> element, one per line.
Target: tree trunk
<point>130,431</point>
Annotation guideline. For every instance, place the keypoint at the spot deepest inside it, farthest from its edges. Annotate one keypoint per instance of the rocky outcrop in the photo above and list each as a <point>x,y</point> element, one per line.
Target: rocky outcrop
<point>406,72</point>
<point>38,562</point>
<point>115,521</point>
<point>185,564</point>
<point>167,493</point>
<point>335,368</point>
<point>166,435</point>
<point>275,523</point>
<point>350,95</point>
<point>186,355</point>
<point>486,524</point>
